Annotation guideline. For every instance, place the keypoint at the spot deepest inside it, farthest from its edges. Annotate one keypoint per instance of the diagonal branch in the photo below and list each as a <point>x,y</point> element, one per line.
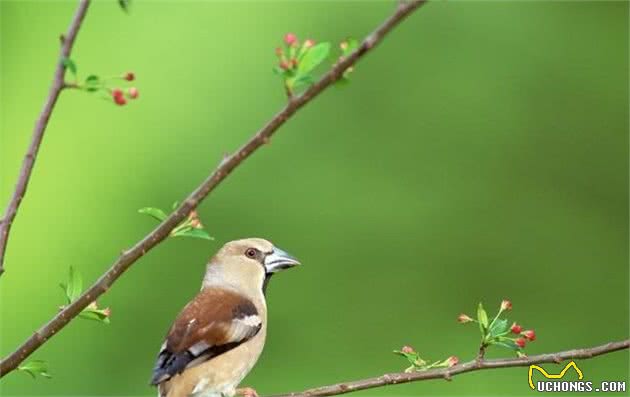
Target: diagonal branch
<point>40,128</point>
<point>161,232</point>
<point>448,373</point>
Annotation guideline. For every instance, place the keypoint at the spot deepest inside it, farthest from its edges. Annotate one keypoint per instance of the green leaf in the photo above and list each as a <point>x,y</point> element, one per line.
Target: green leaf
<point>35,367</point>
<point>302,80</point>
<point>499,327</point>
<point>508,344</point>
<point>411,357</point>
<point>70,65</point>
<point>196,233</point>
<point>74,287</point>
<point>175,205</point>
<point>153,212</point>
<point>482,317</point>
<point>313,57</point>
<point>124,4</point>
<point>92,83</point>
<point>95,314</point>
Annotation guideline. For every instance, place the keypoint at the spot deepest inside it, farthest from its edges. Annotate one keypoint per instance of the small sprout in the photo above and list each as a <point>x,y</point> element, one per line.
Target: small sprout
<point>73,290</point>
<point>133,93</point>
<point>191,227</point>
<point>464,318</point>
<point>530,335</point>
<point>498,331</point>
<point>516,329</point>
<point>36,367</point>
<point>94,83</point>
<point>420,364</point>
<point>92,312</point>
<point>296,63</point>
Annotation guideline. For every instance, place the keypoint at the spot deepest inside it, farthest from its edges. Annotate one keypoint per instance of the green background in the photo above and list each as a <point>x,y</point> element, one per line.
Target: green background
<point>480,153</point>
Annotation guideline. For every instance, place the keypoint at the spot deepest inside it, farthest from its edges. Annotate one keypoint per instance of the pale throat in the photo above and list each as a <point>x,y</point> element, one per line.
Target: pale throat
<point>250,286</point>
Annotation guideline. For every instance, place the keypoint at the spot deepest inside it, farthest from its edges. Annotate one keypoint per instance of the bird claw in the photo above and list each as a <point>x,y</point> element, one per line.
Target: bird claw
<point>247,392</point>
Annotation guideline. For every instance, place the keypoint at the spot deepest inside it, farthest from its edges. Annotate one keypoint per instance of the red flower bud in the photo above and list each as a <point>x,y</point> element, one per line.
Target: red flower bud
<point>506,305</point>
<point>309,43</point>
<point>294,63</point>
<point>516,329</point>
<point>407,349</point>
<point>284,65</point>
<point>452,361</point>
<point>520,342</point>
<point>130,76</point>
<point>279,51</point>
<point>118,96</point>
<point>530,335</point>
<point>133,93</point>
<point>290,38</point>
<point>464,318</point>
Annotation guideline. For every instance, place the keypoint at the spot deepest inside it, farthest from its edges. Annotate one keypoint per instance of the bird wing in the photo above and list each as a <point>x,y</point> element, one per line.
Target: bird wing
<point>215,321</point>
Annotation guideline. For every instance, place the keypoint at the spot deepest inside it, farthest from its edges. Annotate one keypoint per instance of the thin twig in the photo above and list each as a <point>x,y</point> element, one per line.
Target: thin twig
<point>448,373</point>
<point>129,257</point>
<point>67,41</point>
<point>482,351</point>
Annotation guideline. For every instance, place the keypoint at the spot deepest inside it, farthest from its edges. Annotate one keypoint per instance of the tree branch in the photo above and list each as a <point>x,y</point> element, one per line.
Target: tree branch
<point>227,165</point>
<point>67,41</point>
<point>448,373</point>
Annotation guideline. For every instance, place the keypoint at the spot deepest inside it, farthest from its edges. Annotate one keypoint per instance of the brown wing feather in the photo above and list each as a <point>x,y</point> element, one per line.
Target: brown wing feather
<point>216,321</point>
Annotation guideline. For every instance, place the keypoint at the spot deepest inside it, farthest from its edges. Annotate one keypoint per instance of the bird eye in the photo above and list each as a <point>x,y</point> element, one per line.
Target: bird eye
<point>250,253</point>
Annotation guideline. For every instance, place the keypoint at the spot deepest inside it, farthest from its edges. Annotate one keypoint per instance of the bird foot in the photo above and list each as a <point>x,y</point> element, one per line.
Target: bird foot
<point>247,392</point>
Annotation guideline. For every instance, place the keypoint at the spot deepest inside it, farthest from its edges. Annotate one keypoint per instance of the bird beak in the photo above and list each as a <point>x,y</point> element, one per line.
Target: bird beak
<point>279,260</point>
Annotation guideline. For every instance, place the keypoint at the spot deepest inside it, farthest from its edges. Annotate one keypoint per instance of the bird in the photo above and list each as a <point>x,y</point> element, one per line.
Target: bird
<point>218,336</point>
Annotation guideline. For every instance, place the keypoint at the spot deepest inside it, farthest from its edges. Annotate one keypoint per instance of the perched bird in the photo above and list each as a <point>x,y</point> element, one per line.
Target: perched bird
<point>219,335</point>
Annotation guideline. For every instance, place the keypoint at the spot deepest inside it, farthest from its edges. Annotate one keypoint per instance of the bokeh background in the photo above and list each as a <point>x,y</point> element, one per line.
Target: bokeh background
<point>480,153</point>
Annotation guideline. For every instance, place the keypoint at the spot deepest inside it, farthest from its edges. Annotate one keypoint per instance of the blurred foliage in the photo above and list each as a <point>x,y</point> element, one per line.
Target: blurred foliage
<point>481,152</point>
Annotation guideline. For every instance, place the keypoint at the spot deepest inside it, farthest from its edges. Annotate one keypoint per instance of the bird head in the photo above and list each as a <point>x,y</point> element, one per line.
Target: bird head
<point>247,263</point>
